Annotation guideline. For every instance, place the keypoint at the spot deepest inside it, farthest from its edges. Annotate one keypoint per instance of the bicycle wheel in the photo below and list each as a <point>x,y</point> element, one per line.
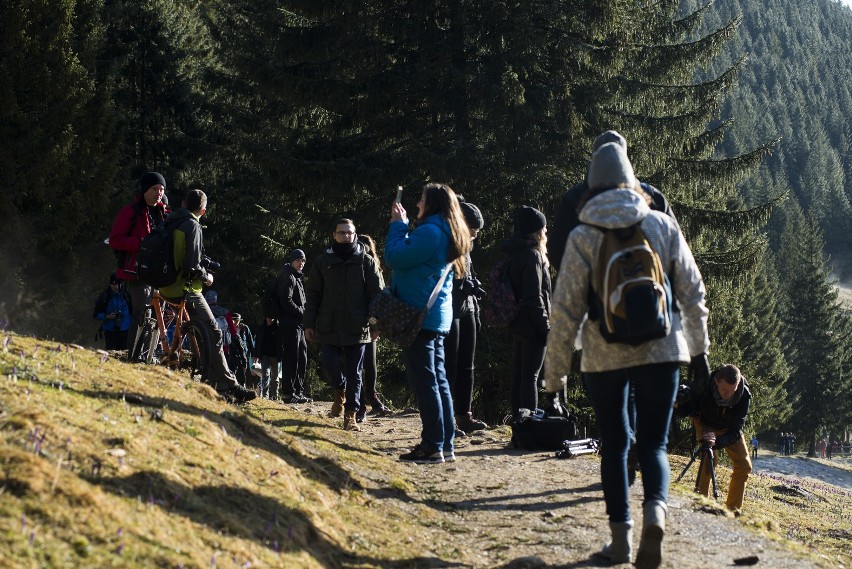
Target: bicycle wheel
<point>142,345</point>
<point>195,351</point>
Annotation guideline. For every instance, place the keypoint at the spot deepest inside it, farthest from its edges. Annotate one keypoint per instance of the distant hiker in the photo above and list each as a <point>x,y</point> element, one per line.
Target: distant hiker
<point>267,350</point>
<point>341,285</point>
<point>718,416</point>
<point>460,343</point>
<point>370,391</point>
<point>616,200</point>
<point>192,276</point>
<point>290,294</point>
<point>424,261</point>
<point>135,221</point>
<point>112,308</point>
<point>528,271</point>
<point>754,445</point>
<point>242,348</point>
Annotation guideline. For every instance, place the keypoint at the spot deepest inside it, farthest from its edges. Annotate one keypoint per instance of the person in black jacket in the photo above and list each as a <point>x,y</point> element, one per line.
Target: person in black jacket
<point>529,273</point>
<point>460,343</point>
<point>719,414</point>
<point>567,216</point>
<point>294,349</point>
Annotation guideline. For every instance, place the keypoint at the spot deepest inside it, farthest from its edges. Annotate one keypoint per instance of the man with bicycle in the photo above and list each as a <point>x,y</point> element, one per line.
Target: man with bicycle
<point>188,243</point>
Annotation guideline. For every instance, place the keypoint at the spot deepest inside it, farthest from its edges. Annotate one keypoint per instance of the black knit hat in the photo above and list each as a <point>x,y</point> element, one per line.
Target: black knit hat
<point>149,179</point>
<point>472,215</point>
<point>297,254</point>
<point>528,220</point>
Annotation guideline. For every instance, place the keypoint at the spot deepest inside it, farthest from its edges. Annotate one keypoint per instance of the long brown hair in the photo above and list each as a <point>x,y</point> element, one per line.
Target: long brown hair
<point>441,199</point>
<point>370,246</point>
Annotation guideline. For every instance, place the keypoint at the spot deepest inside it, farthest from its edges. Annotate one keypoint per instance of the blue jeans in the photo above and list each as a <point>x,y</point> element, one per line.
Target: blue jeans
<point>424,368</point>
<point>655,387</point>
<point>342,366</point>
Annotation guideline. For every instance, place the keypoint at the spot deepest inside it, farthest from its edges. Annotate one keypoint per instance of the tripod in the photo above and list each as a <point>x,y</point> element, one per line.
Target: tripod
<point>706,452</point>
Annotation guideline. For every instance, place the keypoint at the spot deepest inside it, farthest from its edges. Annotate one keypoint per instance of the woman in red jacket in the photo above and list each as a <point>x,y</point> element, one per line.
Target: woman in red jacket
<point>134,221</point>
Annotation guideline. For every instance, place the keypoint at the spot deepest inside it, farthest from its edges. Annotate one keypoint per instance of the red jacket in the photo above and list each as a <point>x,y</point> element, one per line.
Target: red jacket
<point>126,235</point>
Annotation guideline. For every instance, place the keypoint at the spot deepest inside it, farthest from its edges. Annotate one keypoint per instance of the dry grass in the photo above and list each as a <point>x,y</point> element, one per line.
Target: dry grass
<point>110,465</point>
<point>803,513</point>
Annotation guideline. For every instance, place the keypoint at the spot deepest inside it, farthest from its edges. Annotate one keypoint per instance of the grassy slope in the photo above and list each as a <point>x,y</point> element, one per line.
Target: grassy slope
<point>109,465</point>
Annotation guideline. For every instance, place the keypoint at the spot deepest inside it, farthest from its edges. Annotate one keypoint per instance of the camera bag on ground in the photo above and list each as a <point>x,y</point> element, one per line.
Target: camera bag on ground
<point>398,321</point>
<point>500,307</point>
<point>269,303</point>
<point>155,264</point>
<point>631,294</point>
<point>535,430</point>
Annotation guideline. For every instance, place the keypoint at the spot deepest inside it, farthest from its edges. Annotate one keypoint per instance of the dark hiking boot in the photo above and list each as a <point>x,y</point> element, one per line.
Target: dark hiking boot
<point>422,455</point>
<point>237,394</point>
<point>468,424</point>
<point>361,415</point>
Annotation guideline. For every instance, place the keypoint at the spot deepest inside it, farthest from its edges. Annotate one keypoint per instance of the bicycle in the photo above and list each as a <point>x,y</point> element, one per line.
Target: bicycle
<point>168,336</point>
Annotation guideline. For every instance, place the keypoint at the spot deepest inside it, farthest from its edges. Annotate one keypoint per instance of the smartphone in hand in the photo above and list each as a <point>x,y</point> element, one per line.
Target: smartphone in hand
<point>398,194</point>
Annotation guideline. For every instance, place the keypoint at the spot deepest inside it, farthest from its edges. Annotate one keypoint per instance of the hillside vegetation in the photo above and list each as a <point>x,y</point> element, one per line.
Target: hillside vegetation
<point>105,464</point>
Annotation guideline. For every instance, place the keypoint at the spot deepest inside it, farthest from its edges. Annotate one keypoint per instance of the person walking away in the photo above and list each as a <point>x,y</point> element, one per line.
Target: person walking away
<point>460,343</point>
<point>435,249</point>
<point>754,445</point>
<point>132,224</point>
<point>614,201</point>
<point>188,242</point>
<point>112,308</point>
<point>342,283</point>
<point>718,416</point>
<point>369,392</point>
<point>290,292</point>
<point>529,274</point>
<point>268,350</point>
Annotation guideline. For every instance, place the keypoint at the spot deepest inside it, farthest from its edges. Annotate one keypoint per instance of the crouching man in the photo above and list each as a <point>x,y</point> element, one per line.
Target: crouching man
<point>718,415</point>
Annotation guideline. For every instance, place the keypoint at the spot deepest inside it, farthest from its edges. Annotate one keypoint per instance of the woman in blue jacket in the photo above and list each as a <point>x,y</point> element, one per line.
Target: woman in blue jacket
<point>419,258</point>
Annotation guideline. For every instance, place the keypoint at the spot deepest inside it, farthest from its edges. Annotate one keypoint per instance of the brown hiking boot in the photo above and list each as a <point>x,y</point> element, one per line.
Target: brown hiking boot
<point>337,404</point>
<point>350,423</point>
<point>468,424</point>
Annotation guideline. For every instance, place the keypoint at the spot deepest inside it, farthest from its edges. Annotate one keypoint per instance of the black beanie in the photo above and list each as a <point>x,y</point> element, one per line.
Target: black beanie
<point>528,220</point>
<point>472,215</point>
<point>149,179</point>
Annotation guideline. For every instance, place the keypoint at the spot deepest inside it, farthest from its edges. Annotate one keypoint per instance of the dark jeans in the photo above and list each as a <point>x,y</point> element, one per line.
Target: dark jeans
<point>140,298</point>
<point>424,369</point>
<point>460,350</point>
<point>220,376</point>
<point>115,339</point>
<point>527,359</point>
<point>269,377</point>
<point>294,359</point>
<point>369,396</point>
<point>654,388</point>
<point>342,366</point>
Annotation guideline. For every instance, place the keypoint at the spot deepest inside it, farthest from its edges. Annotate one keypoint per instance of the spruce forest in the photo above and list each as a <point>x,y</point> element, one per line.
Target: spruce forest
<point>291,114</point>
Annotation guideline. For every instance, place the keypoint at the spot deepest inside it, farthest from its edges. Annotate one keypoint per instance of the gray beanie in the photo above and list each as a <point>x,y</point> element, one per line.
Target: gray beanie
<point>610,168</point>
<point>609,136</point>
<point>472,215</point>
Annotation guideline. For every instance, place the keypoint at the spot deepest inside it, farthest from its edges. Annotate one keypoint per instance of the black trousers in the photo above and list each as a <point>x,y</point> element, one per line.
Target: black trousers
<point>527,360</point>
<point>459,357</point>
<point>370,376</point>
<point>294,360</point>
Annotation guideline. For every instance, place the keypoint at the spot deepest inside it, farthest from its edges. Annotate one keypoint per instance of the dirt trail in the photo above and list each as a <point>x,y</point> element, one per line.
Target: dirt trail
<point>502,508</point>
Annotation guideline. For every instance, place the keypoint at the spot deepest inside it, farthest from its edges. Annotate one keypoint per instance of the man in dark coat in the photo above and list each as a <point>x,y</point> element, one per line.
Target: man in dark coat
<point>133,223</point>
<point>342,283</point>
<point>294,348</point>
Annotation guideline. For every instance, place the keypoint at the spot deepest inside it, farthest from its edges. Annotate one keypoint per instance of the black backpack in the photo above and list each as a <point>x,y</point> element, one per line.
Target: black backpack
<point>155,263</point>
<point>269,303</point>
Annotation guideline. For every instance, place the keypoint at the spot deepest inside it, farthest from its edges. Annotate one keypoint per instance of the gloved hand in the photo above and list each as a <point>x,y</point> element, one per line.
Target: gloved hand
<point>698,373</point>
<point>553,406</point>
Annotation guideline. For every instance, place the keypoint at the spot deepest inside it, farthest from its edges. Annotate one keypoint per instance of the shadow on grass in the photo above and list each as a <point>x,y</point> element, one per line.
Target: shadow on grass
<point>245,515</point>
<point>248,432</point>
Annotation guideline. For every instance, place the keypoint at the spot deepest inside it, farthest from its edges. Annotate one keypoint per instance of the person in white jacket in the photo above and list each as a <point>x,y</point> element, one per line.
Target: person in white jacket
<point>613,201</point>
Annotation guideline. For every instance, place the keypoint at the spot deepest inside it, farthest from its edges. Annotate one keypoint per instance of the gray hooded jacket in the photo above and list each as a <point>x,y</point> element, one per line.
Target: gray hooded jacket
<point>611,209</point>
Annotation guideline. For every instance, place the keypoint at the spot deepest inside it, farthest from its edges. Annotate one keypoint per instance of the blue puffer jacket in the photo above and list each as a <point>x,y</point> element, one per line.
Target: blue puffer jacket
<point>417,260</point>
